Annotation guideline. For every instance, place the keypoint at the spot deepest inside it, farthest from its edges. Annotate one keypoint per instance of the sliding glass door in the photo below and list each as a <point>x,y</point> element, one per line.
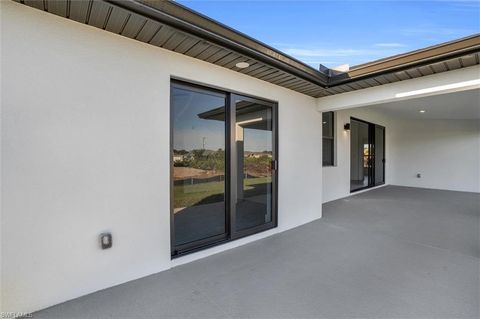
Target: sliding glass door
<point>254,165</point>
<point>224,166</point>
<point>199,166</point>
<point>367,154</point>
<point>359,155</point>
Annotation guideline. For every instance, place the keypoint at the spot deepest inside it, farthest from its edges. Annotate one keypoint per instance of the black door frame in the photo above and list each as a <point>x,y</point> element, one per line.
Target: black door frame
<point>234,234</point>
<point>375,126</point>
<point>371,156</point>
<point>178,250</point>
<point>230,174</point>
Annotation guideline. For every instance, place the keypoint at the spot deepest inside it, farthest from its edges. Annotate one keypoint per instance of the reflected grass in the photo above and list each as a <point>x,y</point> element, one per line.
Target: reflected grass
<point>204,193</point>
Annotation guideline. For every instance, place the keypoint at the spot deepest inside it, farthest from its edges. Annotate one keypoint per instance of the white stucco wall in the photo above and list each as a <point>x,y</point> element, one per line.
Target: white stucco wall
<point>445,152</point>
<point>85,148</point>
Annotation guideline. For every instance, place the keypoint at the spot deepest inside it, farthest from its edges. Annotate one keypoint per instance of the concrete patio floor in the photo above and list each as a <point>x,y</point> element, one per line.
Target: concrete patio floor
<point>393,252</point>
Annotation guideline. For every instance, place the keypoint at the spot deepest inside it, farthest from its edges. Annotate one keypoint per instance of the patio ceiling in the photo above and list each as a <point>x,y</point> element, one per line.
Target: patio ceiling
<point>461,105</point>
<point>174,27</point>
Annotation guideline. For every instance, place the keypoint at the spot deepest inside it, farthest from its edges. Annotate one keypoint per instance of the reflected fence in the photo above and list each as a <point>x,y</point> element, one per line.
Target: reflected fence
<point>202,180</point>
<point>194,181</point>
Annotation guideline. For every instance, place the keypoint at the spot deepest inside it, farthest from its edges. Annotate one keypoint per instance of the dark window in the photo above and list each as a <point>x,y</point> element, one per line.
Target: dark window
<point>224,166</point>
<point>328,129</point>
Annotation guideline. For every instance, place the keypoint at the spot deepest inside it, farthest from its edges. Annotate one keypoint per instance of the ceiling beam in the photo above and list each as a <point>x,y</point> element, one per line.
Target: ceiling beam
<point>440,83</point>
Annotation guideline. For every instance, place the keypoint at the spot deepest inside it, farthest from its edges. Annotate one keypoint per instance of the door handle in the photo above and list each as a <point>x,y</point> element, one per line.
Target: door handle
<point>274,165</point>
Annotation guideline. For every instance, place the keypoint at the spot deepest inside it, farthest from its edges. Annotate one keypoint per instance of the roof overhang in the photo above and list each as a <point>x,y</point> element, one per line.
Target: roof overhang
<point>459,48</point>
<point>188,21</point>
<point>171,26</point>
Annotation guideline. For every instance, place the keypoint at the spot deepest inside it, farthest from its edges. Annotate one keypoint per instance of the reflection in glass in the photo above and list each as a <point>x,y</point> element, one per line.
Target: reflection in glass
<point>253,141</point>
<point>360,155</point>
<point>379,155</point>
<point>328,138</point>
<point>198,165</point>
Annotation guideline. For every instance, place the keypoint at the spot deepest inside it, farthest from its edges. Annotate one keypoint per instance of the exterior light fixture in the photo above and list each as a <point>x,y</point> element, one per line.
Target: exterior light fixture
<point>242,65</point>
<point>346,127</point>
<point>422,111</point>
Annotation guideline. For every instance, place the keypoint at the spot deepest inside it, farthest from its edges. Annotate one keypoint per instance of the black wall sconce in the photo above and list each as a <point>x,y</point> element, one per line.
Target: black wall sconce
<point>346,127</point>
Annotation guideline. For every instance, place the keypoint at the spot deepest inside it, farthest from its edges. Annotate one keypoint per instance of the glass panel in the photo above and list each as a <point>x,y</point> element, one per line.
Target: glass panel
<point>327,152</point>
<point>359,154</point>
<point>198,165</point>
<point>379,155</point>
<point>327,124</point>
<point>328,138</point>
<point>254,140</point>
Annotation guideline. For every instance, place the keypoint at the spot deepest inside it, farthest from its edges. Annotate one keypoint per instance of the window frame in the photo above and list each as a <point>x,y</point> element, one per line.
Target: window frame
<point>230,174</point>
<point>330,138</point>
<point>372,145</point>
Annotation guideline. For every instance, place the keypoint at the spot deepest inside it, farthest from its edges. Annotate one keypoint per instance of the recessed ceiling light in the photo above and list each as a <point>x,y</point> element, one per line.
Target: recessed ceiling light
<point>422,111</point>
<point>242,65</point>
